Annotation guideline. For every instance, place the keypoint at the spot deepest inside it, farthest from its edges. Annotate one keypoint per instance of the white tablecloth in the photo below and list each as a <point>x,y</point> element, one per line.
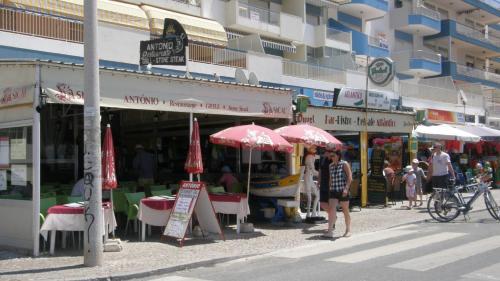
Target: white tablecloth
<point>152,216</point>
<point>75,222</point>
<point>232,208</point>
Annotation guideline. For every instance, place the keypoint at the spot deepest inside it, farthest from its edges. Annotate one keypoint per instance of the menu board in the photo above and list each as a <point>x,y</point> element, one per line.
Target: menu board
<point>4,152</point>
<point>18,149</point>
<point>183,209</point>
<point>192,198</point>
<point>377,162</point>
<point>18,175</point>
<point>376,190</point>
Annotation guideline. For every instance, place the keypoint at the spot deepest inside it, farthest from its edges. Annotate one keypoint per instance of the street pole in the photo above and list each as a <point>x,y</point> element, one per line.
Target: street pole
<point>93,234</point>
<point>364,145</point>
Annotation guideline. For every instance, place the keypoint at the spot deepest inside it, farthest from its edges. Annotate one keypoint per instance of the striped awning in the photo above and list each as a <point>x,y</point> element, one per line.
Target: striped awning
<point>197,28</point>
<point>108,11</point>
<point>282,46</point>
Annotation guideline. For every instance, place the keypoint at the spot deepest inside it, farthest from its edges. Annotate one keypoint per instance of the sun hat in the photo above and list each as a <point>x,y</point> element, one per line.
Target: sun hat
<point>409,169</point>
<point>415,161</point>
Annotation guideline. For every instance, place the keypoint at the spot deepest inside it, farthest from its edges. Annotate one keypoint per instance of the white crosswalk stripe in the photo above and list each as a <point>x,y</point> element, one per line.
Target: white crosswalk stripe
<point>395,248</point>
<point>178,278</point>
<point>329,246</point>
<point>448,256</point>
<point>490,273</point>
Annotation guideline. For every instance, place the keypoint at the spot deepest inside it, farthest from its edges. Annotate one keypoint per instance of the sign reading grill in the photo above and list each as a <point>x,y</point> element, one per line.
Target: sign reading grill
<point>170,49</point>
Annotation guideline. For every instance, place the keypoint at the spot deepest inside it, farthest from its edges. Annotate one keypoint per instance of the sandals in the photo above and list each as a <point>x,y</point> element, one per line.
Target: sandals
<point>347,234</point>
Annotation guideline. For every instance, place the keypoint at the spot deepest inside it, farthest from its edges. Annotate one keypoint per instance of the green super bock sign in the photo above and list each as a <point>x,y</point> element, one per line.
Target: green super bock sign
<point>381,71</point>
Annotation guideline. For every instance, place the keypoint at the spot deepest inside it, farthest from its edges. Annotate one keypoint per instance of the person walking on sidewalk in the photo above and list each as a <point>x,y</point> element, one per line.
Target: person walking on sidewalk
<point>411,181</point>
<point>421,178</point>
<point>324,180</point>
<point>340,181</point>
<point>440,167</point>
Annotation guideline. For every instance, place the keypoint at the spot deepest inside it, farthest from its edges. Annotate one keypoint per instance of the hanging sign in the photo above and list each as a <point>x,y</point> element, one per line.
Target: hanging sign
<point>168,50</point>
<point>381,71</point>
<point>192,198</point>
<point>351,97</point>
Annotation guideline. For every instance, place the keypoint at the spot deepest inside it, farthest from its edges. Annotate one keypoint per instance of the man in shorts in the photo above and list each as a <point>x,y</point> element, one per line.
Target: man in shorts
<point>440,168</point>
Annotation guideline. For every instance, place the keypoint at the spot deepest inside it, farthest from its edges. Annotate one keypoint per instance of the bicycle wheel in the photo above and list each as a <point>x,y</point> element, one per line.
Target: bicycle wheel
<point>445,205</point>
<point>492,205</point>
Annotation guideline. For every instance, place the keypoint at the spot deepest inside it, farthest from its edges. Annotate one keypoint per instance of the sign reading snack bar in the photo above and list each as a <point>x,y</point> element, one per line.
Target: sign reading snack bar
<point>354,120</point>
<point>192,198</point>
<point>168,50</point>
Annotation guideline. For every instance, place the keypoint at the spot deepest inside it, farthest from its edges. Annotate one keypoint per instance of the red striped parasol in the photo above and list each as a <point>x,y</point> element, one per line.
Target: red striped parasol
<point>108,161</point>
<point>194,161</point>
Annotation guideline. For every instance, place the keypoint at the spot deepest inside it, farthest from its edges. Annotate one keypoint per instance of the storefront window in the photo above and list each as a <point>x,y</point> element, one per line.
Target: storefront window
<point>16,163</point>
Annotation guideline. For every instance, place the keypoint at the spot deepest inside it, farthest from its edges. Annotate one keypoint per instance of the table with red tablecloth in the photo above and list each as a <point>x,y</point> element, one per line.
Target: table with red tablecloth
<point>156,210</point>
<point>70,217</point>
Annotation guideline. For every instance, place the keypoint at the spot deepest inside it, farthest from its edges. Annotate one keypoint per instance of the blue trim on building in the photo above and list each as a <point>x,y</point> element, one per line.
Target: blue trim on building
<point>377,4</point>
<point>495,26</point>
<point>485,7</point>
<point>497,59</point>
<point>402,76</point>
<point>449,28</point>
<point>18,53</point>
<point>403,36</point>
<point>450,69</point>
<point>346,18</point>
<point>425,64</point>
<point>423,20</point>
<point>359,41</point>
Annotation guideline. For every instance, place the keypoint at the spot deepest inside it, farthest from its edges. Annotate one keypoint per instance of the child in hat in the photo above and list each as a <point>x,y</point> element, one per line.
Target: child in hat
<point>411,181</point>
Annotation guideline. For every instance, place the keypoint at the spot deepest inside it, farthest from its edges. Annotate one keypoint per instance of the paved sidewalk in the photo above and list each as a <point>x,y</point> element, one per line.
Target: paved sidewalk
<point>138,259</point>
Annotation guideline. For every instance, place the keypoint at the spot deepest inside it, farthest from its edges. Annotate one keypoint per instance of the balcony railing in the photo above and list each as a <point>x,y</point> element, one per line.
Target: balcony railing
<point>426,92</point>
<point>421,54</point>
<point>314,72</point>
<point>378,42</point>
<point>335,34</point>
<point>218,56</point>
<point>40,25</point>
<point>477,34</point>
<point>477,73</point>
<point>195,3</point>
<point>424,11</point>
<point>259,14</point>
<point>493,3</point>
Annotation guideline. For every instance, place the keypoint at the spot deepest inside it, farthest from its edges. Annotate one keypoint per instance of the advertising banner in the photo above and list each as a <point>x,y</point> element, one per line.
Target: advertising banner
<point>168,50</point>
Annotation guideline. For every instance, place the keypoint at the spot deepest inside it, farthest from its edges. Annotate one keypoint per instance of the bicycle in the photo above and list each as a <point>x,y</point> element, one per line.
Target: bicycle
<point>446,204</point>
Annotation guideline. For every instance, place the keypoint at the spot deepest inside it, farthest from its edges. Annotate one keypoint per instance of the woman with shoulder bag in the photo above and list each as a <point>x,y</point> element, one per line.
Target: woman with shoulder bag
<point>340,181</point>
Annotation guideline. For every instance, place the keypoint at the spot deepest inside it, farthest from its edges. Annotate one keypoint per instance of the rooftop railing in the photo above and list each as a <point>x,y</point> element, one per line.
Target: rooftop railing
<point>40,25</point>
<point>335,34</point>
<point>259,14</point>
<point>313,71</point>
<point>424,11</point>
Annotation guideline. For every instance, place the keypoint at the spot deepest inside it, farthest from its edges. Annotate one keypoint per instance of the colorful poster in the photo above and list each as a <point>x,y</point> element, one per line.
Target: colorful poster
<point>3,180</point>
<point>18,149</point>
<point>4,152</point>
<point>18,175</point>
<point>441,116</point>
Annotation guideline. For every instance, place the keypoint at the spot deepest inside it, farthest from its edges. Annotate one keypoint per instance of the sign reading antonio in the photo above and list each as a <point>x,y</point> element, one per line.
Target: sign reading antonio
<point>168,50</point>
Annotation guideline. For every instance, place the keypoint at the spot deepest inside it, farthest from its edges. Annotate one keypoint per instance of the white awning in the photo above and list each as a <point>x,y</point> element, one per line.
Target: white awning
<point>443,132</point>
<point>485,133</point>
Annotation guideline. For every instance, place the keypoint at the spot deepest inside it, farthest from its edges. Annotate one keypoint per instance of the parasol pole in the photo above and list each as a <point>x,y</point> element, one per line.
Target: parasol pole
<point>248,180</point>
<point>190,139</point>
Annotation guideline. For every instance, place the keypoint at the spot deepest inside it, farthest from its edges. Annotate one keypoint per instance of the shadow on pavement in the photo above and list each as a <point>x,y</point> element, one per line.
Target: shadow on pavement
<point>42,270</point>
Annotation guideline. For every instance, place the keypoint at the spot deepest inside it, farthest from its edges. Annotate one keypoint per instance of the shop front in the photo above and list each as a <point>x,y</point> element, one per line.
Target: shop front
<point>41,131</point>
<point>369,139</point>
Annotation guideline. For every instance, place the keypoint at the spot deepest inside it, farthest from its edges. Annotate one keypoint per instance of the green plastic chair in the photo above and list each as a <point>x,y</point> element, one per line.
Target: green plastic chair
<point>120,204</point>
<point>216,189</point>
<point>173,186</point>
<point>157,187</point>
<point>133,200</point>
<point>45,204</point>
<point>236,188</point>
<point>74,199</point>
<point>164,192</point>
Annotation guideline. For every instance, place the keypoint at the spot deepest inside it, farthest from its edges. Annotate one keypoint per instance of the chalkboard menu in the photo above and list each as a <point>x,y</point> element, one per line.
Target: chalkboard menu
<point>192,198</point>
<point>377,162</point>
<point>376,190</point>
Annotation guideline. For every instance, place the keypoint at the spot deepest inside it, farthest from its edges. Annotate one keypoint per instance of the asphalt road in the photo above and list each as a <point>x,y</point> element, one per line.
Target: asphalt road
<point>457,251</point>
